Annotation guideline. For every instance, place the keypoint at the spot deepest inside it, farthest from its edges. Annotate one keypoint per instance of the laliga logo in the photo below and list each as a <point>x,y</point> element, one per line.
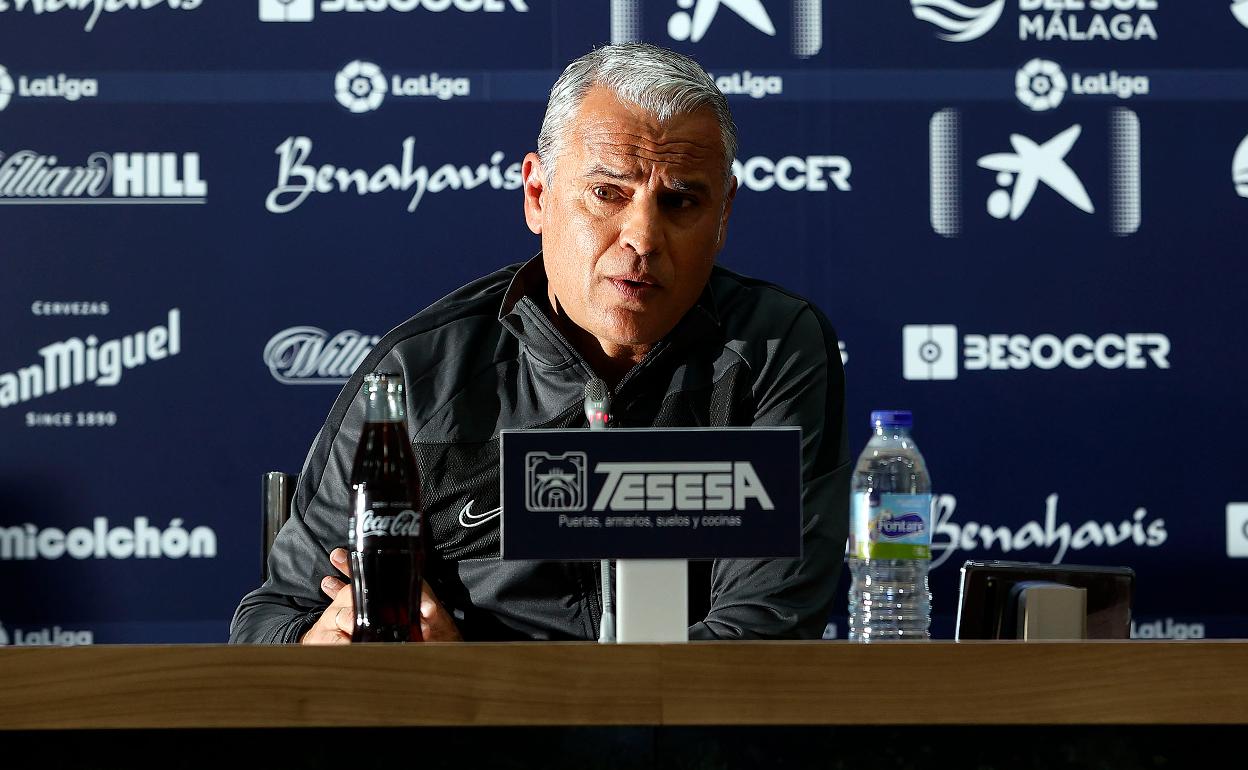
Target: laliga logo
<point>961,23</point>
<point>6,87</point>
<point>46,637</point>
<point>360,86</point>
<point>60,86</point>
<point>1239,169</point>
<point>1040,84</point>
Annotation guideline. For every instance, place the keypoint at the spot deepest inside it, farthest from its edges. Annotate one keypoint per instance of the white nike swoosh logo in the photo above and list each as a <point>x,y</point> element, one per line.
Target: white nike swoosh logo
<point>469,519</point>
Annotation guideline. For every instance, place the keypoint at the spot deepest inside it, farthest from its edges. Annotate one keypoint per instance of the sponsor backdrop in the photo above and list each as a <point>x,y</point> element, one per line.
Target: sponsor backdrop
<point>1023,216</point>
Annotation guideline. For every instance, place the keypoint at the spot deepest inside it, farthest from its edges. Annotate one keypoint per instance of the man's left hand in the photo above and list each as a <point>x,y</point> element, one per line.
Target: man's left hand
<point>436,624</point>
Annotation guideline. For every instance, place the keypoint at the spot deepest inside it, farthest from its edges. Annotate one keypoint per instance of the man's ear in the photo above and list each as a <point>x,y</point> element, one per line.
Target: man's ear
<point>723,218</point>
<point>534,177</point>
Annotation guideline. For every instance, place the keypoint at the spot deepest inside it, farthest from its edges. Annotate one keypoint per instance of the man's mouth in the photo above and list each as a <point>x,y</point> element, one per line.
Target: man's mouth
<point>634,287</point>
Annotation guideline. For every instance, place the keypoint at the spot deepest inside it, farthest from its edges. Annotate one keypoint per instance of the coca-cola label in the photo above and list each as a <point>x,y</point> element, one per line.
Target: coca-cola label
<point>388,522</point>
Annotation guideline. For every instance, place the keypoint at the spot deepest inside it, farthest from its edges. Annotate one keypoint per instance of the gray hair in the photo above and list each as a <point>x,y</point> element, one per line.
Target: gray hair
<point>661,82</point>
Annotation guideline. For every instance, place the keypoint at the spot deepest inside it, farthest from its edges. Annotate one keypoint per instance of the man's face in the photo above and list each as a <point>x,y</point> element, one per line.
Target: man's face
<point>631,224</point>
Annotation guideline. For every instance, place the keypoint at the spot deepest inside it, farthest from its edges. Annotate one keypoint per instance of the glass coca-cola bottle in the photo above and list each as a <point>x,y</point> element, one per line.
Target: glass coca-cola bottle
<point>386,527</point>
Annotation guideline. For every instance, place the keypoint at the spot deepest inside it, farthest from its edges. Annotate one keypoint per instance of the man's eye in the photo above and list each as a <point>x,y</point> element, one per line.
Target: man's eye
<point>679,201</point>
<point>606,193</point>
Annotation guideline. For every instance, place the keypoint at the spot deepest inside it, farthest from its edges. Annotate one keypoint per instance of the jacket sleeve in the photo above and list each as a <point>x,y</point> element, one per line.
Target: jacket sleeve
<point>801,383</point>
<point>282,609</point>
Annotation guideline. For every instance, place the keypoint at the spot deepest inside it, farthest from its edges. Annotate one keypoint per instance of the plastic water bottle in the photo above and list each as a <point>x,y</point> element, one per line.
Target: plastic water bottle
<point>890,535</point>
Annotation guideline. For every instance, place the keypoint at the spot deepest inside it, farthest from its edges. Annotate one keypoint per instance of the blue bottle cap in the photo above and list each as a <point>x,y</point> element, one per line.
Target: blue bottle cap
<point>892,418</point>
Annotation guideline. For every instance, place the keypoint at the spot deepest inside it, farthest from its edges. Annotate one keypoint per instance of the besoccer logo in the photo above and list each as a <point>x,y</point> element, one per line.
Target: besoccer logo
<point>287,10</point>
<point>555,482</point>
<point>360,86</point>
<point>961,23</point>
<point>930,352</point>
<point>1040,84</point>
<point>6,87</point>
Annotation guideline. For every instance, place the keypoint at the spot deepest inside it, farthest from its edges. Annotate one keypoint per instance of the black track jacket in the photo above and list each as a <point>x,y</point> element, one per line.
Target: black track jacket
<point>488,357</point>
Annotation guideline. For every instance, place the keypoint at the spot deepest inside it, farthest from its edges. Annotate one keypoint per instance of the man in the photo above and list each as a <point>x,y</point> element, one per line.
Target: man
<point>630,190</point>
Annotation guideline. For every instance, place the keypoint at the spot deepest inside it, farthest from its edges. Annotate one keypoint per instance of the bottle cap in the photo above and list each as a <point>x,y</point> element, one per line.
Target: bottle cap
<point>382,381</point>
<point>892,418</point>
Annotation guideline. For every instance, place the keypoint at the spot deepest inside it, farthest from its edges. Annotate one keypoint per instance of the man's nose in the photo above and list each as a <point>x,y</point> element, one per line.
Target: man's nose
<point>642,229</point>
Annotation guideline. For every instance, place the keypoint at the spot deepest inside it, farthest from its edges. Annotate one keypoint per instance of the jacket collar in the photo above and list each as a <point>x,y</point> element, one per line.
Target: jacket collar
<point>524,313</point>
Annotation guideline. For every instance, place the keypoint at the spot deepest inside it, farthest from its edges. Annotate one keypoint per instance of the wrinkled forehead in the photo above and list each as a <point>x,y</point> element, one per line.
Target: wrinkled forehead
<point>612,132</point>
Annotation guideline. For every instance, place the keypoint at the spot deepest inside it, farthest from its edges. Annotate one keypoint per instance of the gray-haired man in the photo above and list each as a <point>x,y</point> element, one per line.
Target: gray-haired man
<point>630,191</point>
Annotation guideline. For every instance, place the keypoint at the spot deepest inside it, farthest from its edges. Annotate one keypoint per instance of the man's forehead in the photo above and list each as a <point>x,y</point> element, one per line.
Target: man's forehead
<point>612,133</point>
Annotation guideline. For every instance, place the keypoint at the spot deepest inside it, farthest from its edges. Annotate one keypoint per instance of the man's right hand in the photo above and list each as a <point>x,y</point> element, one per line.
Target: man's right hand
<point>336,623</point>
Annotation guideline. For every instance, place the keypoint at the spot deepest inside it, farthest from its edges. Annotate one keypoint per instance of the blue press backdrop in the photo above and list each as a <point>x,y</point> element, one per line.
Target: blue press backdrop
<point>159,170</point>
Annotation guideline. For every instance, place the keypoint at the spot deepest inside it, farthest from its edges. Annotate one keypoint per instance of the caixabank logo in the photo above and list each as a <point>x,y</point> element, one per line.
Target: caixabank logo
<point>936,352</point>
<point>1075,21</point>
<point>745,29</point>
<point>1033,169</point>
<point>305,10</point>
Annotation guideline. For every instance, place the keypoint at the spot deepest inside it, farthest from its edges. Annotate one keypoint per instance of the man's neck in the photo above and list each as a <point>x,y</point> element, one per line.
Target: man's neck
<point>609,361</point>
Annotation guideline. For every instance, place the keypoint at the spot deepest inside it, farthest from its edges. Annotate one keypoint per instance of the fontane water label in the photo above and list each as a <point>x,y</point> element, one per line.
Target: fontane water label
<point>895,527</point>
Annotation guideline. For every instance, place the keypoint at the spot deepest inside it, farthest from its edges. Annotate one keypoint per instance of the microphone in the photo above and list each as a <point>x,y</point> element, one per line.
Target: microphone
<point>597,404</point>
<point>598,413</point>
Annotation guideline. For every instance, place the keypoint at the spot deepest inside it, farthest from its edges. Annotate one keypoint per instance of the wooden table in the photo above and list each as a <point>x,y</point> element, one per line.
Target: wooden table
<point>578,684</point>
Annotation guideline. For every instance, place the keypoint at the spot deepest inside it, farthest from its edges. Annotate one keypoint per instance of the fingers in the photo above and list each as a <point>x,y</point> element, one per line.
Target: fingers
<point>436,624</point>
<point>338,557</point>
<point>337,622</point>
<point>332,586</point>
